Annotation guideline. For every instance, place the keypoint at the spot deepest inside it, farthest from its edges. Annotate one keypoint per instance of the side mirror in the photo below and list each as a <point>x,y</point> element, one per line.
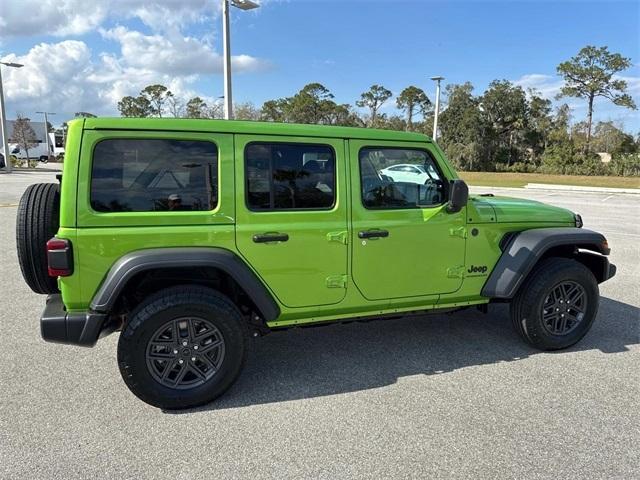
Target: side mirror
<point>458,195</point>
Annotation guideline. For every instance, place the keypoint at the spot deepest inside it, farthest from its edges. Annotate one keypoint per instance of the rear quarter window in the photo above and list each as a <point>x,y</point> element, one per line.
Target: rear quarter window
<point>147,175</point>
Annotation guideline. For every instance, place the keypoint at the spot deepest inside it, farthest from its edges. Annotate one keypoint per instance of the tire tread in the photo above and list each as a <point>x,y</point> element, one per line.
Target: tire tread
<point>524,309</point>
<point>154,305</point>
<point>37,221</point>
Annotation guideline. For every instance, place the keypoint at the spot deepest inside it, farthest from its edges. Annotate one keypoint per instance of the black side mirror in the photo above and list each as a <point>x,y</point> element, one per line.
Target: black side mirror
<point>458,195</point>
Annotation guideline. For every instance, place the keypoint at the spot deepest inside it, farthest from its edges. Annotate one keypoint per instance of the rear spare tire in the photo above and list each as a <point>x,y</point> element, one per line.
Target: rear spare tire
<point>38,220</point>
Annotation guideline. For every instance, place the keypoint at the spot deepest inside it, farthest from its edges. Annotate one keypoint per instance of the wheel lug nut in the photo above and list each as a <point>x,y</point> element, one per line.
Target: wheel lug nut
<point>195,347</point>
<point>180,361</point>
<point>193,359</point>
<point>175,352</point>
<point>184,344</point>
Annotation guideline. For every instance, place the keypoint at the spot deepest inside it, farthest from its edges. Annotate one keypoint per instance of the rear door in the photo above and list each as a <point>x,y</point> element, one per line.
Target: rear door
<point>405,243</point>
<point>291,215</point>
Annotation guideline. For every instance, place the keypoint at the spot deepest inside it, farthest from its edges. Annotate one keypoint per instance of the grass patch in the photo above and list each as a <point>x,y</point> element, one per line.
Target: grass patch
<point>493,179</point>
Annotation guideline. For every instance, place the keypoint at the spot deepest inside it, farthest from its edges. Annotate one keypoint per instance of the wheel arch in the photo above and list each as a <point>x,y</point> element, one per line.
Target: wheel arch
<point>207,266</point>
<point>525,249</point>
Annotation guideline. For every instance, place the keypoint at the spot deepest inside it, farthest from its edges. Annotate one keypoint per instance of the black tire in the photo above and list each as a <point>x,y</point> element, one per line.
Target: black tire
<point>190,303</point>
<point>533,309</point>
<point>38,220</point>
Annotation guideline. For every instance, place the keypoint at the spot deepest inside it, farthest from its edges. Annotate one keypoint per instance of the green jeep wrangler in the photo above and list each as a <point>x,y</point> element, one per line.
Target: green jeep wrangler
<point>190,236</point>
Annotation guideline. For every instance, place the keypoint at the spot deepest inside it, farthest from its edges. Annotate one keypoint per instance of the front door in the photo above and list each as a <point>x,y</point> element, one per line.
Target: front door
<point>405,243</point>
<point>291,209</point>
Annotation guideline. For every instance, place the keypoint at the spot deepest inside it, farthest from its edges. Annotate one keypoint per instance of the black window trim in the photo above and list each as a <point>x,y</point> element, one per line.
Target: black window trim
<point>271,193</point>
<point>158,212</point>
<point>445,179</point>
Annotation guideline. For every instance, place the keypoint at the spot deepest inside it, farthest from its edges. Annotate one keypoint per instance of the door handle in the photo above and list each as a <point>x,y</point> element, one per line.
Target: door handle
<point>373,234</point>
<point>270,237</point>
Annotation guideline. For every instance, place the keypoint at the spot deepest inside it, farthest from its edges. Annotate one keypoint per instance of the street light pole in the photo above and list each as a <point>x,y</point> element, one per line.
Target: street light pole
<point>437,111</point>
<point>46,131</point>
<point>3,120</point>
<point>226,50</point>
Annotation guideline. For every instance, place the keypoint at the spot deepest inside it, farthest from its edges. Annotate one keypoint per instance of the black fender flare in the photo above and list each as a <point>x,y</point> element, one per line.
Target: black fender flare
<point>524,250</point>
<point>179,257</point>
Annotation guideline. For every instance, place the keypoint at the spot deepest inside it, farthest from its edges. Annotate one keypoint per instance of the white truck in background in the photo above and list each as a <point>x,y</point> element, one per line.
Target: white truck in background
<point>39,151</point>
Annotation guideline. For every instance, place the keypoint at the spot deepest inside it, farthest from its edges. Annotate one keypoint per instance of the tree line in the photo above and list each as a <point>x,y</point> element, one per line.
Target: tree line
<point>505,128</point>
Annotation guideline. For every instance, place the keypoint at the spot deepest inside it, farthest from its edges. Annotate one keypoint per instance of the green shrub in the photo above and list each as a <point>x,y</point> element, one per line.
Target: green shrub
<point>625,164</point>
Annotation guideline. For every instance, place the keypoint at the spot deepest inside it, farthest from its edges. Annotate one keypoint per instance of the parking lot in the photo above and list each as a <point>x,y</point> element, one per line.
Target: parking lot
<point>442,396</point>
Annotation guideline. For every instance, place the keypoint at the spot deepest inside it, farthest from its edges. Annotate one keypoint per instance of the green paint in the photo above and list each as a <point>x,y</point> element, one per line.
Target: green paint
<point>325,271</point>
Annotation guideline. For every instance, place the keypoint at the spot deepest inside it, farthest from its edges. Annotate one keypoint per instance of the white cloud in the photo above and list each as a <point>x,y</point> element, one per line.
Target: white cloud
<point>53,77</point>
<point>174,53</point>
<point>548,86</point>
<point>68,76</point>
<point>59,17</point>
<point>633,84</point>
<point>65,77</point>
<point>75,17</point>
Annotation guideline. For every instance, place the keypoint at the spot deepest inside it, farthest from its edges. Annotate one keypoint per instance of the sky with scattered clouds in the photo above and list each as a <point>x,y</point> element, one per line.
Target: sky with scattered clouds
<point>84,55</point>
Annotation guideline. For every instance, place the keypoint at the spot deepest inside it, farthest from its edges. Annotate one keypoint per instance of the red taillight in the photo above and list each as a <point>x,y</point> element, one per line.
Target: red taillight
<point>59,257</point>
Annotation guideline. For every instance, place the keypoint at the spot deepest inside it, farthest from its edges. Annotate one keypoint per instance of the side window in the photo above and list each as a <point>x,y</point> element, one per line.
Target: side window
<point>136,175</point>
<point>400,178</point>
<point>285,176</point>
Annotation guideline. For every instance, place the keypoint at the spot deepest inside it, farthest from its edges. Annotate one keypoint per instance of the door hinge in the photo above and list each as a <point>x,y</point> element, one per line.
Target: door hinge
<point>458,232</point>
<point>336,281</point>
<point>340,237</point>
<point>456,272</point>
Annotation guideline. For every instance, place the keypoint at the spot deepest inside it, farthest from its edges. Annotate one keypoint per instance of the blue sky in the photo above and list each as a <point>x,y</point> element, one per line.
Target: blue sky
<point>91,58</point>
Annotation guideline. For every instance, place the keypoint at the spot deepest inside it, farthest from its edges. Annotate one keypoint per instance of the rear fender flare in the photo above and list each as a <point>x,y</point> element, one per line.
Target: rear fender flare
<point>141,260</point>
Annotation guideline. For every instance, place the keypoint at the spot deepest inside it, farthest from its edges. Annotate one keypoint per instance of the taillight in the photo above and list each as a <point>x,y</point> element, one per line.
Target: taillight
<point>59,257</point>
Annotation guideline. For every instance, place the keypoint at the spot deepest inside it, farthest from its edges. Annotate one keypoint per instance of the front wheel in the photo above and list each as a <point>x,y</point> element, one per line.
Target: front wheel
<point>556,305</point>
<point>182,347</point>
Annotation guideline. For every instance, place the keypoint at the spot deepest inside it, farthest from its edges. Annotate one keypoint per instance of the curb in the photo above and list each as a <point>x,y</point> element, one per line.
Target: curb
<point>579,188</point>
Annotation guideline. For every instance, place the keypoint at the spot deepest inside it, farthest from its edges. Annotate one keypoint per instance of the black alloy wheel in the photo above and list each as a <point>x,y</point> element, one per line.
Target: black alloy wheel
<point>564,308</point>
<point>185,352</point>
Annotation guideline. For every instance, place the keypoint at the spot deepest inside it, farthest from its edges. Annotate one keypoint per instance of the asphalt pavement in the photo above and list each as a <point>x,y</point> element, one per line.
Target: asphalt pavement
<point>444,396</point>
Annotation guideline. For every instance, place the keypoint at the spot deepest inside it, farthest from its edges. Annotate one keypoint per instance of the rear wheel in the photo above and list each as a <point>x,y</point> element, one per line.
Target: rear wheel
<point>556,305</point>
<point>38,220</point>
<point>182,347</point>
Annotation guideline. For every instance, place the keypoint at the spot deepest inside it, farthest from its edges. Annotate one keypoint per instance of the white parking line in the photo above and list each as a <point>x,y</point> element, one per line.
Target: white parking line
<point>607,198</point>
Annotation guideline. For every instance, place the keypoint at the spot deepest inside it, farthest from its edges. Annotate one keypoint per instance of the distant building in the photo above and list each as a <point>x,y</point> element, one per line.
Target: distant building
<point>604,157</point>
<point>56,145</point>
<point>38,127</point>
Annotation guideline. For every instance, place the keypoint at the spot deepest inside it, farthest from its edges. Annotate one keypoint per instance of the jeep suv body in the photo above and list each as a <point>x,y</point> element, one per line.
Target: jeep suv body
<point>190,235</point>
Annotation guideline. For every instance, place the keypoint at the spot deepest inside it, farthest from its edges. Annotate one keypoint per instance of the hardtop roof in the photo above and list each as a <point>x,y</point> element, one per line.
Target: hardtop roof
<point>250,127</point>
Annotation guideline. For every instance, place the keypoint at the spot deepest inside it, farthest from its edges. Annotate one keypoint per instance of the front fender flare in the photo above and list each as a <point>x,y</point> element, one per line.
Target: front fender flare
<point>135,262</point>
<point>525,249</point>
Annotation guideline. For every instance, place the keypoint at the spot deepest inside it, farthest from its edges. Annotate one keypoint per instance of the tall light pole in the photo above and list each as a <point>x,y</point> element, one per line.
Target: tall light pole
<point>3,120</point>
<point>226,50</point>
<point>46,131</point>
<point>437,112</point>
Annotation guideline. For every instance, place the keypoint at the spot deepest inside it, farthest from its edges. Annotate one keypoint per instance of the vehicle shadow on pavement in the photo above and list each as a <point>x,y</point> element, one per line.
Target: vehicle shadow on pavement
<point>312,362</point>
